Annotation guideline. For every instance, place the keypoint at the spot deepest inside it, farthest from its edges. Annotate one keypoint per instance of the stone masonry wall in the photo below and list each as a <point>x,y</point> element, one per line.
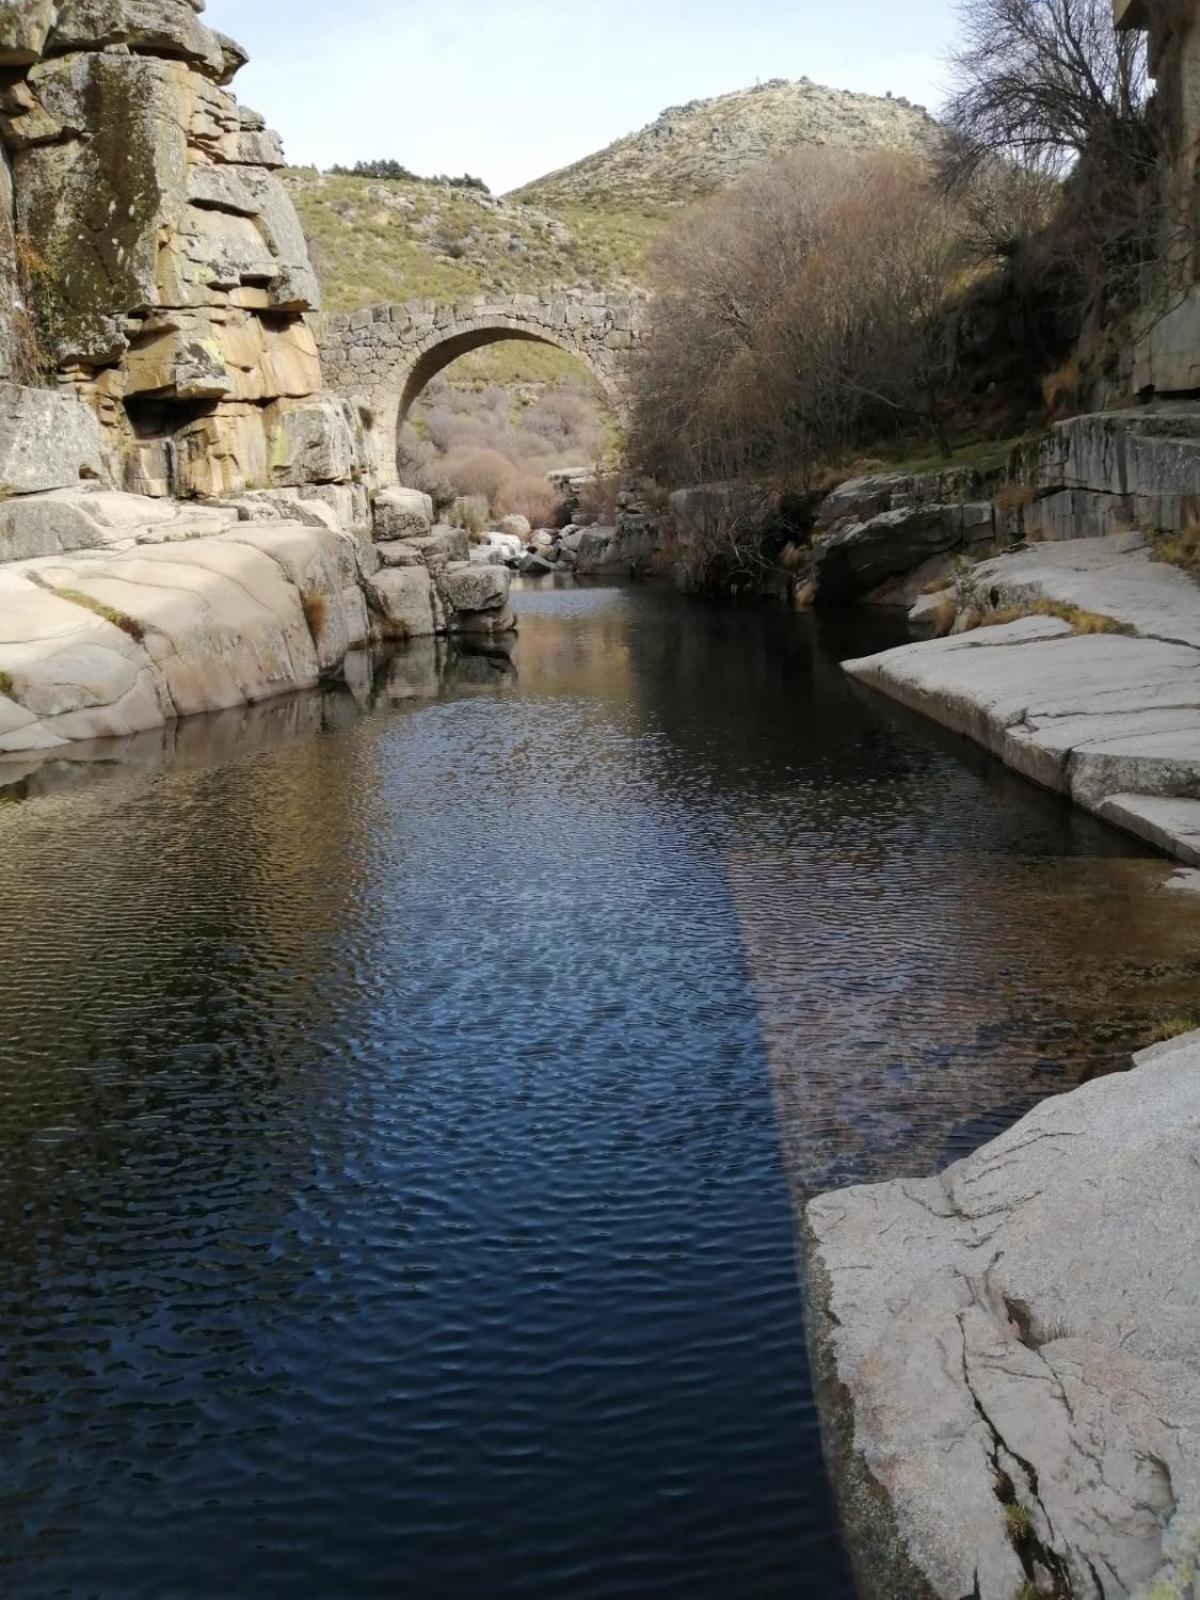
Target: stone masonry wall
<point>384,356</point>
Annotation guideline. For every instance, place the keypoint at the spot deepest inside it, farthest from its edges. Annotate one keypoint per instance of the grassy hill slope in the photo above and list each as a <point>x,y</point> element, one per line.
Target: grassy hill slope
<point>590,224</point>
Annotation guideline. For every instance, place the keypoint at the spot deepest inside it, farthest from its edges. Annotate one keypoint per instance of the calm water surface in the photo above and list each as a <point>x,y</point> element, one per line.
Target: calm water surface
<point>405,1104</point>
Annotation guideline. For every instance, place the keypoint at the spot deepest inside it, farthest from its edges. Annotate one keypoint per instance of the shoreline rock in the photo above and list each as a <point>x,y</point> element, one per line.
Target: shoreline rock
<point>1110,718</point>
<point>1005,1355</point>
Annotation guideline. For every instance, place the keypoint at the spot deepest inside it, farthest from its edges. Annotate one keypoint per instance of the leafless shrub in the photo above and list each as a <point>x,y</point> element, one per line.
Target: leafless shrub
<point>1053,98</point>
<point>470,512</point>
<point>800,312</point>
<point>596,501</point>
<point>527,494</point>
<point>1048,83</point>
<point>499,443</point>
<point>476,471</point>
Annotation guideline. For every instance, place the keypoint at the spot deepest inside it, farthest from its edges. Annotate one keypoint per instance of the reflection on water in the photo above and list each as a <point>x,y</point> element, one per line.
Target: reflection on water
<point>394,1084</point>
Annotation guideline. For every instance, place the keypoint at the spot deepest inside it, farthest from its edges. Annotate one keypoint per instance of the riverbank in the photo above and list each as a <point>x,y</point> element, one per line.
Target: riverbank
<point>120,613</point>
<point>1111,717</point>
<point>1005,1355</point>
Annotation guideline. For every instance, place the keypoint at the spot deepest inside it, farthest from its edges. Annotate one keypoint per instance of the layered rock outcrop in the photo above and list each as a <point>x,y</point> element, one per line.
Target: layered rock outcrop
<point>168,279</point>
<point>1167,350</point>
<point>1006,1357</point>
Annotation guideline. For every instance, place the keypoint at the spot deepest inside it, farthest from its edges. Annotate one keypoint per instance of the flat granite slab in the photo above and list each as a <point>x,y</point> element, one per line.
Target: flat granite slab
<point>115,641</point>
<point>1111,719</point>
<point>1007,1357</point>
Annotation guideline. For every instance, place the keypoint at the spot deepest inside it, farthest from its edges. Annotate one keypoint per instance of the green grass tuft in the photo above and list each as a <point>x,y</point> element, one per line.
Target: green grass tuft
<point>1018,1521</point>
<point>119,619</point>
<point>1172,1027</point>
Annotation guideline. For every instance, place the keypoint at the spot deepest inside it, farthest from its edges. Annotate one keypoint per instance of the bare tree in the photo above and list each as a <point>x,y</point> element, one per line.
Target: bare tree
<point>802,312</point>
<point>1051,117</point>
<point>1048,82</point>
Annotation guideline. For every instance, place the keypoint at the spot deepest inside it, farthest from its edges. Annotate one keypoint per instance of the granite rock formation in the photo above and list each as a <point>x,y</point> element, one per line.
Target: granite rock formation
<point>166,276</point>
<point>1006,1359</point>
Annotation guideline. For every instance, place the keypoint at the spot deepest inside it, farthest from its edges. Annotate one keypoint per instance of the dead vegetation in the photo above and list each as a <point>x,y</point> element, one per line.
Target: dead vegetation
<point>496,445</point>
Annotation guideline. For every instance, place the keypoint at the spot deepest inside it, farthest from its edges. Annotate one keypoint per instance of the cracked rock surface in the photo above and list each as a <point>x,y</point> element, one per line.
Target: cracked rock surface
<point>1006,1355</point>
<point>157,611</point>
<point>1111,719</point>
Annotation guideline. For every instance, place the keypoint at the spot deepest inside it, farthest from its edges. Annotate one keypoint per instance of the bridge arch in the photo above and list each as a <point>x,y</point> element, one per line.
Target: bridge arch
<point>385,356</point>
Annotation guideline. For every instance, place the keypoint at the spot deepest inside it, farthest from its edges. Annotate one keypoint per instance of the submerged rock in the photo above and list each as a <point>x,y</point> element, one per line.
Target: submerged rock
<point>1006,1356</point>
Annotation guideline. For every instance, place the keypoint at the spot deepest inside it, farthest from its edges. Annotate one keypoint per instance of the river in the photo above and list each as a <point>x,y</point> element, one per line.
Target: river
<point>406,1101</point>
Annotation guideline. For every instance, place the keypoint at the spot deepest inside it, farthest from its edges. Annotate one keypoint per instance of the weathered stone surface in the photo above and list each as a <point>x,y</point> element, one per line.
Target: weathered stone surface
<point>11,353</point>
<point>861,499</point>
<point>24,29</point>
<point>117,182</point>
<point>515,527</point>
<point>1111,471</point>
<point>497,549</point>
<point>1101,716</point>
<point>47,440</point>
<point>1006,1358</point>
<point>441,544</point>
<point>110,642</point>
<point>88,517</point>
<point>403,603</point>
<point>311,441</point>
<point>166,27</point>
<point>535,566</point>
<point>1115,577</point>
<point>1168,359</point>
<point>401,513</point>
<point>593,548</point>
<point>398,553</point>
<point>467,588</point>
<point>858,558</point>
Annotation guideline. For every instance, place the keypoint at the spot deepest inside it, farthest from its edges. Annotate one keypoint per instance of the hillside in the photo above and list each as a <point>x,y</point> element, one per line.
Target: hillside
<point>693,149</point>
<point>592,223</point>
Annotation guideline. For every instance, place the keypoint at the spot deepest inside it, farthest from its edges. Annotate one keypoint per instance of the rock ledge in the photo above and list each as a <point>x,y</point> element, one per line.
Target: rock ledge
<point>1006,1355</point>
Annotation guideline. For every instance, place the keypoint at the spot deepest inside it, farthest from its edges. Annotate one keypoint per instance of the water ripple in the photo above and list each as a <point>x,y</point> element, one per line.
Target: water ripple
<point>403,1115</point>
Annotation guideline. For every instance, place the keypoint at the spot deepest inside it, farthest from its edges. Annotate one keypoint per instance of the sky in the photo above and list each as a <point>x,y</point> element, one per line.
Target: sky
<point>512,89</point>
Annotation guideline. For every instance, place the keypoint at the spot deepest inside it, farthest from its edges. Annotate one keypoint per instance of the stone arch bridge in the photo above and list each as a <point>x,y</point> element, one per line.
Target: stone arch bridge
<point>384,356</point>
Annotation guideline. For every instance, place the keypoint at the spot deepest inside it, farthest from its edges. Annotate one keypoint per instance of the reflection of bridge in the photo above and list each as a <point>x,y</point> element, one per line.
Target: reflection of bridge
<point>388,353</point>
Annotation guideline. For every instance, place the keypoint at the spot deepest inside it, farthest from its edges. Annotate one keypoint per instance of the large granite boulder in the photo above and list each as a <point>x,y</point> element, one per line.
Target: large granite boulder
<point>858,558</point>
<point>439,546</point>
<point>404,603</point>
<point>401,514</point>
<point>1006,1355</point>
<point>114,641</point>
<point>48,440</point>
<point>476,598</point>
<point>497,550</point>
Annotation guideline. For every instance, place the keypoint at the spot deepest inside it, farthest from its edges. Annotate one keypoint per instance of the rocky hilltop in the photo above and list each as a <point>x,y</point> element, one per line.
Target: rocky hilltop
<point>589,225</point>
<point>692,149</point>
